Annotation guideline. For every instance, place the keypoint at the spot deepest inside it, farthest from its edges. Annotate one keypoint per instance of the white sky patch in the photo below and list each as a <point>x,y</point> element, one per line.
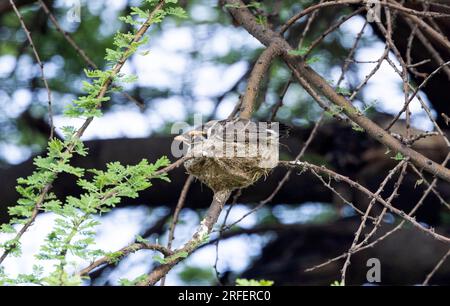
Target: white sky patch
<point>229,38</point>
<point>234,254</point>
<point>292,96</point>
<point>120,226</point>
<point>384,89</point>
<point>51,70</point>
<point>25,68</point>
<point>14,154</point>
<point>353,26</point>
<point>227,106</point>
<point>133,266</point>
<point>123,123</point>
<point>212,80</point>
<point>176,39</point>
<point>236,213</point>
<point>31,242</point>
<point>204,106</point>
<point>159,68</point>
<point>127,71</point>
<point>188,223</point>
<point>7,65</point>
<point>21,100</point>
<point>154,120</point>
<point>204,12</point>
<point>172,108</point>
<point>289,214</point>
<point>117,229</point>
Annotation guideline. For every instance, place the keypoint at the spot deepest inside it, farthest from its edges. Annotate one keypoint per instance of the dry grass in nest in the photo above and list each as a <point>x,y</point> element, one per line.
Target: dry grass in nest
<point>226,173</point>
<point>225,165</point>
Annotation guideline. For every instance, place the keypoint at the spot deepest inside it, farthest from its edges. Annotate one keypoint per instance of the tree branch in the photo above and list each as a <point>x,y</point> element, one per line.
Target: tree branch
<point>205,228</point>
<point>306,76</point>
<point>254,82</point>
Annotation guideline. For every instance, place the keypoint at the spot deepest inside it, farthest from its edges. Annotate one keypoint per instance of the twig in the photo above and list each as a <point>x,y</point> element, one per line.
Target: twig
<point>285,177</point>
<point>364,218</point>
<point>307,77</point>
<point>414,94</point>
<point>180,204</point>
<point>205,228</point>
<point>41,66</point>
<point>102,92</point>
<point>123,253</point>
<point>389,233</point>
<point>312,8</point>
<point>339,177</point>
<point>79,50</point>
<point>221,231</point>
<point>438,265</point>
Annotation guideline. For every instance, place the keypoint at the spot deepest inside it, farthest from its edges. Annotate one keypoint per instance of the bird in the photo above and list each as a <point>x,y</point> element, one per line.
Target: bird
<point>234,130</point>
<point>235,138</point>
<point>230,154</point>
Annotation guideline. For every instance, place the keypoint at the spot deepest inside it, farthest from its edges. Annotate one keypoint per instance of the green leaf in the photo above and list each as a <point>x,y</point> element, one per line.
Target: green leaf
<point>418,183</point>
<point>137,11</point>
<point>177,11</point>
<point>312,60</point>
<point>357,128</point>
<point>134,282</point>
<point>337,283</point>
<point>140,239</point>
<point>253,282</point>
<point>159,259</point>
<point>298,52</point>
<point>7,229</point>
<point>399,156</point>
<point>343,91</point>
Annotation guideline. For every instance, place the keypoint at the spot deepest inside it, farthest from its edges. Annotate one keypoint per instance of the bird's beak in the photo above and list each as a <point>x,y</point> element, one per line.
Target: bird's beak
<point>196,133</point>
<point>179,138</point>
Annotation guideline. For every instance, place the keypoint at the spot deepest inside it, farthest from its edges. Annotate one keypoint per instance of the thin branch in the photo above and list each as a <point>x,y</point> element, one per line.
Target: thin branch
<point>339,177</point>
<point>438,265</point>
<point>79,50</point>
<point>102,92</point>
<point>41,66</point>
<point>414,94</point>
<point>365,217</point>
<point>123,252</point>
<point>205,228</point>
<point>285,177</point>
<point>306,76</point>
<point>389,233</point>
<point>221,231</point>
<point>315,7</point>
<point>176,214</point>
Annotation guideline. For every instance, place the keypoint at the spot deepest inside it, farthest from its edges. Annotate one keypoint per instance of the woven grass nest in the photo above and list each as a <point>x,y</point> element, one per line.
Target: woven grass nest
<point>219,171</point>
<point>225,173</point>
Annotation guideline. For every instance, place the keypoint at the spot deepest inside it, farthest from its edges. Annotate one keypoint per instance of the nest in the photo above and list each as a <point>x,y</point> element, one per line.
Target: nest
<point>220,171</point>
<point>225,173</point>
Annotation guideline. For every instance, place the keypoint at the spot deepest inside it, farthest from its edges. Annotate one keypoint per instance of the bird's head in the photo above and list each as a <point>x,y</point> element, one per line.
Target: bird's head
<point>191,136</point>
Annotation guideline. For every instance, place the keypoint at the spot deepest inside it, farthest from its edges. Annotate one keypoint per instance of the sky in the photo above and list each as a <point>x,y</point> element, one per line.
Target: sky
<point>164,67</point>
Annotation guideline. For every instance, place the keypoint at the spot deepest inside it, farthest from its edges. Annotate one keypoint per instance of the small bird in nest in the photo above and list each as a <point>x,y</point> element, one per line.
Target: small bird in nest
<point>229,154</point>
<point>235,130</point>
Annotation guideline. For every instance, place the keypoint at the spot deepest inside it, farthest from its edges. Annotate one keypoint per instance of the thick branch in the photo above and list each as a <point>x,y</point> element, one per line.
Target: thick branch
<point>254,82</point>
<point>306,76</point>
<point>217,204</point>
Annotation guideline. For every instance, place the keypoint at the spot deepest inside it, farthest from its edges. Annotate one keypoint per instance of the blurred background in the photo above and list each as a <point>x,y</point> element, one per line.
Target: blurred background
<point>200,65</point>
